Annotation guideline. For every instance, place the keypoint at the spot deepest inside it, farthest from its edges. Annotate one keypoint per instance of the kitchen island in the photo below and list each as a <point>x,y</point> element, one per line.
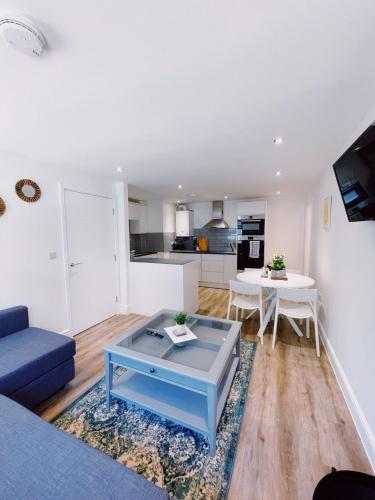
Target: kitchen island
<point>163,283</point>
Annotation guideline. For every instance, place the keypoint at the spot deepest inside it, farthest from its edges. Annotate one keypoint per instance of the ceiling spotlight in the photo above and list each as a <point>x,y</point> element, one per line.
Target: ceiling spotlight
<point>278,140</point>
<point>179,186</point>
<point>119,169</point>
<point>225,197</point>
<point>178,201</point>
<point>277,192</point>
<point>278,173</point>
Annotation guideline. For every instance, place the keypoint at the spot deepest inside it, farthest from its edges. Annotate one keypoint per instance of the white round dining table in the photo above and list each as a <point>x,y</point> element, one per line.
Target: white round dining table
<point>294,280</point>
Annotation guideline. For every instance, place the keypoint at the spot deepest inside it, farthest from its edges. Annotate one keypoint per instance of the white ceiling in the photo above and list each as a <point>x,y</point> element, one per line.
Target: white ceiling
<point>191,92</point>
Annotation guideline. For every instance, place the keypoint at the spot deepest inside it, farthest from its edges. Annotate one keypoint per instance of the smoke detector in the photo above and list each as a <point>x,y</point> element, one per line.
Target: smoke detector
<point>22,35</point>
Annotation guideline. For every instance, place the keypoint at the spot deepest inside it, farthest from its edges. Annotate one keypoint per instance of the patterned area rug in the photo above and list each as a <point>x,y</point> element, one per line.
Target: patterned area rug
<point>173,457</point>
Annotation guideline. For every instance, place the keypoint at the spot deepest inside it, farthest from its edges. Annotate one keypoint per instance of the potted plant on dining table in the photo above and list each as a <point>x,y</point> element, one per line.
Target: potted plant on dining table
<point>277,266</point>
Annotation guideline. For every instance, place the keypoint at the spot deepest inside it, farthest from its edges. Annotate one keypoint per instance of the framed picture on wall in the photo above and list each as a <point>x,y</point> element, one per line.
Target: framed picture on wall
<point>327,205</point>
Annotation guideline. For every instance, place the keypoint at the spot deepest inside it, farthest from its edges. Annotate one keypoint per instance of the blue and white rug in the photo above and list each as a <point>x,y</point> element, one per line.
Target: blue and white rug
<point>173,457</point>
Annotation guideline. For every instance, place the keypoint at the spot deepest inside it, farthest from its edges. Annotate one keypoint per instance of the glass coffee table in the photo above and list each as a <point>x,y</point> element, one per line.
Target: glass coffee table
<point>188,383</point>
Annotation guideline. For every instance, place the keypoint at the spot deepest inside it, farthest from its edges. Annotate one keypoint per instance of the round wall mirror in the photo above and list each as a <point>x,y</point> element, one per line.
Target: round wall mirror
<point>28,190</point>
<point>3,207</point>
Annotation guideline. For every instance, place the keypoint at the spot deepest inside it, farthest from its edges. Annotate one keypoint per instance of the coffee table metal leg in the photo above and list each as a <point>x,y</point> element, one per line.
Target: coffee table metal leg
<point>212,417</point>
<point>238,352</point>
<point>108,378</point>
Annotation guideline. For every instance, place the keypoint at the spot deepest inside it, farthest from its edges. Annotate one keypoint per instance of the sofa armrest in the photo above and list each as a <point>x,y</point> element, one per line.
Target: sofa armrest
<point>13,320</point>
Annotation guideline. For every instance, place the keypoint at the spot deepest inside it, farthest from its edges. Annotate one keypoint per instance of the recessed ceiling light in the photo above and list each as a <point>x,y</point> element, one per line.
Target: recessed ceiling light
<point>119,169</point>
<point>277,192</point>
<point>278,140</point>
<point>179,186</point>
<point>278,173</point>
<point>178,201</point>
<point>225,197</point>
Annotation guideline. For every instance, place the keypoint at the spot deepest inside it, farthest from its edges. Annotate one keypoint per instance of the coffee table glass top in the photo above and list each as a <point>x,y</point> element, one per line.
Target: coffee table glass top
<point>151,339</point>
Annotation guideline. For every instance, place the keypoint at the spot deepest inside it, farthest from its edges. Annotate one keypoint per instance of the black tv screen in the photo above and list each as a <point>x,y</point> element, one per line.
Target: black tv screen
<point>355,174</point>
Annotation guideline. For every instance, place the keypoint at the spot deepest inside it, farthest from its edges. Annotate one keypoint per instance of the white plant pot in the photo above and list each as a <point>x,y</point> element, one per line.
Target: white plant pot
<point>278,274</point>
<point>180,329</point>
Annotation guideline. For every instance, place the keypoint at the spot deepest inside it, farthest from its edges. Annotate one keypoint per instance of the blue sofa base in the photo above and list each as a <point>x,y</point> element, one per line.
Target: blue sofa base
<point>38,461</point>
<point>45,386</point>
<point>34,363</point>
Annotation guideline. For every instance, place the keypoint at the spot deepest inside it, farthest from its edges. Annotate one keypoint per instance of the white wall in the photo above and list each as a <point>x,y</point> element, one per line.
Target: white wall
<point>29,231</point>
<point>285,230</point>
<point>343,265</point>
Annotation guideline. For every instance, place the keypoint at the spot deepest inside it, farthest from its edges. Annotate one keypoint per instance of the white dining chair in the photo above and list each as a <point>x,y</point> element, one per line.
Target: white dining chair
<point>296,303</point>
<point>246,297</point>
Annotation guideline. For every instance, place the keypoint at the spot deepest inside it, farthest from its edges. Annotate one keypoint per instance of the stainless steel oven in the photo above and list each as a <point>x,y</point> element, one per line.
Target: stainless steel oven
<point>248,225</point>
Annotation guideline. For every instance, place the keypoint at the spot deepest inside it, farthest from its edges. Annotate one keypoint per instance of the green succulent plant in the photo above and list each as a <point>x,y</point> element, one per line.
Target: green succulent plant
<point>277,263</point>
<point>180,318</point>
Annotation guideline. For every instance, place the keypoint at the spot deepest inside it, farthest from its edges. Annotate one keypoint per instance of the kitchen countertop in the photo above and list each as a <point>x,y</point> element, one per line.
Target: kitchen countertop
<point>228,252</point>
<point>156,260</point>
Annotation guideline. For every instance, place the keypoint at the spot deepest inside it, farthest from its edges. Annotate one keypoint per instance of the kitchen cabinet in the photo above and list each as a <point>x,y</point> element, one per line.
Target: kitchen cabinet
<point>184,223</point>
<point>256,207</point>
<point>138,212</point>
<point>230,268</point>
<point>191,256</point>
<point>230,213</point>
<point>214,269</point>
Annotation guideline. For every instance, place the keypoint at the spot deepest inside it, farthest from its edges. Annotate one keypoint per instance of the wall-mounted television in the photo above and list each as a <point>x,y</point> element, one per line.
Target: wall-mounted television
<point>355,174</point>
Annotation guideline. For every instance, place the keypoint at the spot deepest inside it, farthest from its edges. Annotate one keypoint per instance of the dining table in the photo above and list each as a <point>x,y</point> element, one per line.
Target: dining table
<point>271,285</point>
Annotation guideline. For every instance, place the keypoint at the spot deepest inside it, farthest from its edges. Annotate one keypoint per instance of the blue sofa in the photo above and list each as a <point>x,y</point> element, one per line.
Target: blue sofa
<point>38,461</point>
<point>34,363</point>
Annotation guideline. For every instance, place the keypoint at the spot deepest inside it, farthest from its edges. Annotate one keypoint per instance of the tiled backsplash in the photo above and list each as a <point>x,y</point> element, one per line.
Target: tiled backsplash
<point>151,242</point>
<point>219,240</point>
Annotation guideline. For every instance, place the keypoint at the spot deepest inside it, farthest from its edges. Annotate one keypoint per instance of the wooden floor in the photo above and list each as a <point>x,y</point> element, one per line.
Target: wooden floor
<point>296,424</point>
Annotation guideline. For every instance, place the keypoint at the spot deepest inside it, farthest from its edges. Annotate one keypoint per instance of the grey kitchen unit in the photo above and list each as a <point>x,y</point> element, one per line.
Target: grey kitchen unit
<point>188,384</point>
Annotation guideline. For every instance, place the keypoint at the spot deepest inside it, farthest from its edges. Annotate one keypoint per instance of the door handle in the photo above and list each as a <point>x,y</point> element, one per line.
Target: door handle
<point>74,264</point>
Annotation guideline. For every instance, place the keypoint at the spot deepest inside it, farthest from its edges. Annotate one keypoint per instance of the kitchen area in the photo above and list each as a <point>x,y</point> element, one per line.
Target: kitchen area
<point>175,248</point>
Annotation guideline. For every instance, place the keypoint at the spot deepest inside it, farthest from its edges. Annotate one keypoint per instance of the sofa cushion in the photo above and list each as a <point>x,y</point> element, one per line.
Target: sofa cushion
<point>28,354</point>
<point>39,461</point>
<point>13,319</point>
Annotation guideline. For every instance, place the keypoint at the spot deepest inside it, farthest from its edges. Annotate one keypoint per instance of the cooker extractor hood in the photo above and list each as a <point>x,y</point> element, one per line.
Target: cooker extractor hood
<point>217,220</point>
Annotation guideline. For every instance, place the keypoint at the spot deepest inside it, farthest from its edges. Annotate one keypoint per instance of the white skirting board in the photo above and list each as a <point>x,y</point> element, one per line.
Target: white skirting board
<point>360,421</point>
<point>124,309</point>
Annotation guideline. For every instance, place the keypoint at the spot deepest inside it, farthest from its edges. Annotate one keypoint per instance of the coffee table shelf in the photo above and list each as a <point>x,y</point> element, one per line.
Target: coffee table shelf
<point>180,405</point>
<point>188,385</point>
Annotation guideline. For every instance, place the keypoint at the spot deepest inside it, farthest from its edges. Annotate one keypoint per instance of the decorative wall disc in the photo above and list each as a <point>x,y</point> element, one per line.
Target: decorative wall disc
<point>3,207</point>
<point>28,190</point>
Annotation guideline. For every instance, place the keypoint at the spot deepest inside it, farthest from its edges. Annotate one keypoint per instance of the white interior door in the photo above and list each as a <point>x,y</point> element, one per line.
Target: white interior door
<point>91,258</point>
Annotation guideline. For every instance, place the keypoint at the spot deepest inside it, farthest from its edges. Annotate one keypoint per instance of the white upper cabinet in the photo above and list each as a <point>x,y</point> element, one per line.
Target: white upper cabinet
<point>251,207</point>
<point>138,212</point>
<point>184,223</point>
<point>230,213</point>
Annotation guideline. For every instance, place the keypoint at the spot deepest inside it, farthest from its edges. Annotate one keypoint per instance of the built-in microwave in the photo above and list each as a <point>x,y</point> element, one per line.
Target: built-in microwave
<point>249,225</point>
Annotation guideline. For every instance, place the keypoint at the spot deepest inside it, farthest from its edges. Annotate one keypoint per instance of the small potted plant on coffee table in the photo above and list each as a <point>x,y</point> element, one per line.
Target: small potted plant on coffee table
<point>180,319</point>
<point>277,267</point>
